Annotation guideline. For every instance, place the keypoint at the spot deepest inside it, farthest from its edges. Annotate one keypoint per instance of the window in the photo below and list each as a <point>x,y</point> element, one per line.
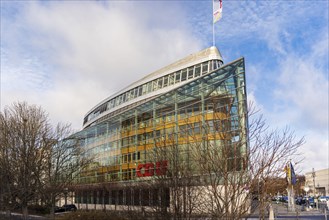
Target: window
<point>214,64</point>
<point>120,98</point>
<point>189,110</point>
<point>184,75</point>
<point>182,130</point>
<point>196,109</point>
<point>124,158</point>
<point>128,96</point>
<point>136,156</point>
<point>210,126</point>
<point>177,77</point>
<point>197,70</point>
<point>182,113</point>
<point>117,101</point>
<point>210,107</point>
<point>131,94</point>
<point>135,92</point>
<point>190,72</point>
<point>155,85</point>
<point>160,83</point>
<point>140,91</point>
<point>149,87</point>
<point>171,79</point>
<point>204,68</point>
<point>124,97</point>
<point>144,89</point>
<point>165,81</point>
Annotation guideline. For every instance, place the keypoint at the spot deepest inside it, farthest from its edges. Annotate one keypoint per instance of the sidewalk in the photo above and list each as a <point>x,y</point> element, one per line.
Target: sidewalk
<point>282,209</point>
<point>281,212</point>
<point>18,216</point>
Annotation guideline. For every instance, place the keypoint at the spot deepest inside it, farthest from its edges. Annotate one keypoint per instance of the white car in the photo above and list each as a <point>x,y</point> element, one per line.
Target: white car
<point>323,198</point>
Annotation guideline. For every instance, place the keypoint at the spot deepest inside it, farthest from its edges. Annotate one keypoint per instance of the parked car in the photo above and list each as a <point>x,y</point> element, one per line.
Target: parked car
<point>59,209</point>
<point>284,199</point>
<point>300,200</point>
<point>309,201</point>
<point>70,207</point>
<point>323,198</point>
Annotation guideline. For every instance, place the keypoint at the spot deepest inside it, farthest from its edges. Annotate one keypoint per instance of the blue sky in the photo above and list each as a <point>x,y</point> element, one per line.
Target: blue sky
<point>67,56</point>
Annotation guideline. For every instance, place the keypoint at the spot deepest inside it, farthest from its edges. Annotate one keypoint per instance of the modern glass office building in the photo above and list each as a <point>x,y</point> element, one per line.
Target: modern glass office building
<point>195,101</point>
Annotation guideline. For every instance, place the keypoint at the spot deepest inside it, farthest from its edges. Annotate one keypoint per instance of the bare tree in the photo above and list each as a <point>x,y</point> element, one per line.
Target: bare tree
<point>38,161</point>
<point>214,166</point>
<point>237,160</point>
<point>25,140</point>
<point>175,177</point>
<point>64,162</point>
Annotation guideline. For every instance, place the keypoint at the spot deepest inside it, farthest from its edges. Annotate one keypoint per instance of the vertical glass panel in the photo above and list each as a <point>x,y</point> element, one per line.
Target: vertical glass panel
<point>177,77</point>
<point>190,72</point>
<point>132,94</point>
<point>204,68</point>
<point>197,70</point>
<point>140,90</point>
<point>214,62</point>
<point>184,75</point>
<point>109,105</point>
<point>116,101</point>
<point>171,79</point>
<point>144,89</point>
<point>124,97</point>
<point>120,99</point>
<point>160,81</point>
<point>165,81</point>
<point>154,85</point>
<point>149,87</point>
<point>135,92</point>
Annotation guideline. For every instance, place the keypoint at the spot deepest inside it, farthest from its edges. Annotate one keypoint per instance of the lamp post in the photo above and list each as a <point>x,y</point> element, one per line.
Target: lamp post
<point>313,176</point>
<point>65,195</point>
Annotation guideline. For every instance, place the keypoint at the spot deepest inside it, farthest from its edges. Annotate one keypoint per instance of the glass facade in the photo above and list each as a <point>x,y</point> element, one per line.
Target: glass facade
<point>154,85</point>
<point>210,109</point>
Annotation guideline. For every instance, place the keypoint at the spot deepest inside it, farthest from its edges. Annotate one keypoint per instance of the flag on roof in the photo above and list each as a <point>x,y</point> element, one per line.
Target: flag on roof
<point>217,10</point>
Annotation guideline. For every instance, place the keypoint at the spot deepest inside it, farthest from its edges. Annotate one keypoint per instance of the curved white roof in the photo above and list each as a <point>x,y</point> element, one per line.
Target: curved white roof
<point>211,53</point>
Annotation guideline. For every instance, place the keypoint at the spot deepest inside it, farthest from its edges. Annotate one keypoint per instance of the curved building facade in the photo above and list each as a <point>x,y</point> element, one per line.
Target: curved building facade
<point>141,133</point>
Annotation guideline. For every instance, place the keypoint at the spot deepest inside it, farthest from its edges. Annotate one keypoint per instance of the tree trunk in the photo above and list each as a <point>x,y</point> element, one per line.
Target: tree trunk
<point>52,209</point>
<point>25,211</point>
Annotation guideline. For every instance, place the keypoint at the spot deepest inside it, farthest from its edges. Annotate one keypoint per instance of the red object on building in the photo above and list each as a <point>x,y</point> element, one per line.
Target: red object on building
<point>147,169</point>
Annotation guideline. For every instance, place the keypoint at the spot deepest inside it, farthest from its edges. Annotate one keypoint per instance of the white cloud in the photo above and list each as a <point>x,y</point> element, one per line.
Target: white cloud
<point>303,87</point>
<point>94,51</point>
<point>315,151</point>
<point>301,100</point>
<point>293,89</point>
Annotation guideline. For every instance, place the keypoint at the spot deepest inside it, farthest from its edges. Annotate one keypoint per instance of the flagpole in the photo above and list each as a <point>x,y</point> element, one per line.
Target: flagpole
<point>213,25</point>
<point>213,34</point>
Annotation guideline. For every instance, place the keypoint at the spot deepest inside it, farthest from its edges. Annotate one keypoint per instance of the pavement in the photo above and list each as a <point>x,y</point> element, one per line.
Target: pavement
<point>18,216</point>
<point>282,209</point>
<point>282,212</point>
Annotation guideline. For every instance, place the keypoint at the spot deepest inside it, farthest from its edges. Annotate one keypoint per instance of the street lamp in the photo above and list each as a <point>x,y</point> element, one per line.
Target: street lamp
<point>313,176</point>
<point>65,195</point>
